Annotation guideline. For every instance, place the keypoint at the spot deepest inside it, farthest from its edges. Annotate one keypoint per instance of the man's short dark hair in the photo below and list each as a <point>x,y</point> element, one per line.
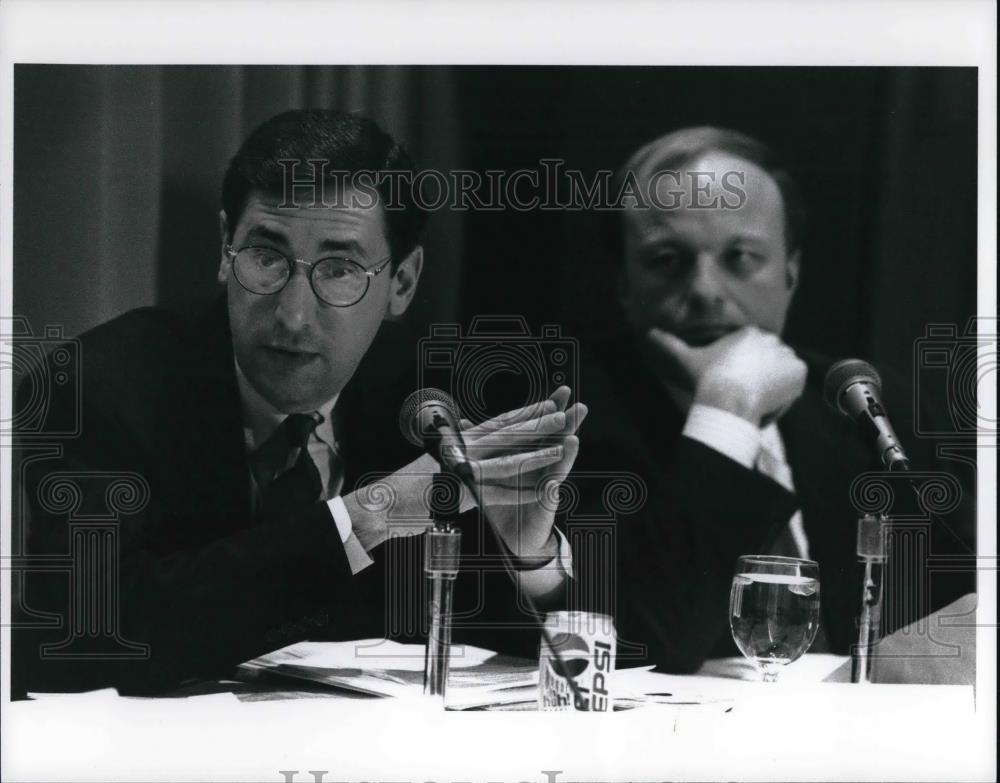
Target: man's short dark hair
<point>682,147</point>
<point>349,144</point>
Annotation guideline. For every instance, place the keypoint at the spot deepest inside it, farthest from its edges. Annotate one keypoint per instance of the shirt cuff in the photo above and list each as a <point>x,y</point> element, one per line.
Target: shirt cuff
<point>565,556</point>
<point>357,557</point>
<point>546,578</point>
<point>727,433</point>
<point>340,517</point>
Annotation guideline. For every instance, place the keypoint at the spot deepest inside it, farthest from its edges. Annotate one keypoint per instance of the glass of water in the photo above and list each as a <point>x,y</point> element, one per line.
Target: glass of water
<point>774,610</point>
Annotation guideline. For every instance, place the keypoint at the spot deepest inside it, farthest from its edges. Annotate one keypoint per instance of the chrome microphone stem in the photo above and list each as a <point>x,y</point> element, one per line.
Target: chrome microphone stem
<point>871,552</point>
<point>442,553</point>
<point>442,548</point>
<point>438,653</point>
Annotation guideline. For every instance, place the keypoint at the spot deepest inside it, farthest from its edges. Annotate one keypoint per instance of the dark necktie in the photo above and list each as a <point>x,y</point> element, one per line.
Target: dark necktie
<point>300,485</point>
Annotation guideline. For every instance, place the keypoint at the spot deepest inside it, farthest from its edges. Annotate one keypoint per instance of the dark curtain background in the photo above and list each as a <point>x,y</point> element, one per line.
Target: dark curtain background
<point>886,158</point>
<point>118,171</point>
<point>117,174</point>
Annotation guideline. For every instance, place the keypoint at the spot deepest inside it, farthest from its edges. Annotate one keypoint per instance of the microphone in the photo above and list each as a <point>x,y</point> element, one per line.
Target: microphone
<point>429,418</point>
<point>854,388</point>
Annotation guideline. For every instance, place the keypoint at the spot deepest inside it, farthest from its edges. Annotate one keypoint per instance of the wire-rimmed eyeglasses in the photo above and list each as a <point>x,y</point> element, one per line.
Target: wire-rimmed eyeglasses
<point>336,280</point>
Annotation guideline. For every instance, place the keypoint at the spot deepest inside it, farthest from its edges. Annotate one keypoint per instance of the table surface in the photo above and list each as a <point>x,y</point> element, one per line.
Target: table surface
<point>801,728</point>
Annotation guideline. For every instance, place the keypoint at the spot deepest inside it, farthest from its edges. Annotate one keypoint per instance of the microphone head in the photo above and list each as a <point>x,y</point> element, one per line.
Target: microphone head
<point>409,422</point>
<point>843,374</point>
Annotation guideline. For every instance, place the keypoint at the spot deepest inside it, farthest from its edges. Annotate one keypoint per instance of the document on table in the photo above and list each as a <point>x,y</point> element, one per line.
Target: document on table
<point>719,682</point>
<point>379,667</point>
<point>813,667</point>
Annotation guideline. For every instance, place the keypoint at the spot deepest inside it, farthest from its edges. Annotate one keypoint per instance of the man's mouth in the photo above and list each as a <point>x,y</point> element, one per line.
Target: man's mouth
<point>289,354</point>
<point>704,334</point>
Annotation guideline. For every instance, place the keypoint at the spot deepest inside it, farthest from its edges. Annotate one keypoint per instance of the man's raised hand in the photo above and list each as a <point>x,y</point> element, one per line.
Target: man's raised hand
<point>749,372</point>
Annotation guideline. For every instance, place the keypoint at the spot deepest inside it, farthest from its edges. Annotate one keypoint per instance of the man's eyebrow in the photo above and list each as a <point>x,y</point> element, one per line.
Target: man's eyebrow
<point>349,246</point>
<point>660,238</point>
<point>267,234</point>
<point>748,237</point>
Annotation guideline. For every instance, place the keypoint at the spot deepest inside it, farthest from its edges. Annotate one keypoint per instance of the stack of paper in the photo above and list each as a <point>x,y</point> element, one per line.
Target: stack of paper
<point>379,667</point>
<point>481,678</point>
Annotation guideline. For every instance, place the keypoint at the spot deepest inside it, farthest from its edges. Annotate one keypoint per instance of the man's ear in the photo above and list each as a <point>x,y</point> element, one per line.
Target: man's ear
<point>225,262</point>
<point>404,282</point>
<point>792,271</point>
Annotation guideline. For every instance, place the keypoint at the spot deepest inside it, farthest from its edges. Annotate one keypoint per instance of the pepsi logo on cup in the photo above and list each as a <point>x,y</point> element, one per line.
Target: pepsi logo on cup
<point>586,644</point>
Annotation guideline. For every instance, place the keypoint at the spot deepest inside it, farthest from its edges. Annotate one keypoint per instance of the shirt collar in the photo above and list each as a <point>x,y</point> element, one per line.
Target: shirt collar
<point>261,418</point>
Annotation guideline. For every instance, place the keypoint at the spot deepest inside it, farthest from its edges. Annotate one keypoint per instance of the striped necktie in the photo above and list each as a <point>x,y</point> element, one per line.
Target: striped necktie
<point>294,488</point>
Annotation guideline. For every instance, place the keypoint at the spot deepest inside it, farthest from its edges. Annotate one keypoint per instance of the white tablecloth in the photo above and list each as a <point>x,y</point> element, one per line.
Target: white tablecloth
<point>799,729</point>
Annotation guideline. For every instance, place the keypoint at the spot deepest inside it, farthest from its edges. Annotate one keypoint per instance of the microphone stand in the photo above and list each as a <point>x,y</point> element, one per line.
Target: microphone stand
<point>442,545</point>
<point>871,552</point>
<point>442,548</point>
<point>871,549</point>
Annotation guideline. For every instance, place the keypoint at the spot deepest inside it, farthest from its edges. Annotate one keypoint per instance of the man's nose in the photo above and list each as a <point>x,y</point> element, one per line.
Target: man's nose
<point>296,301</point>
<point>706,279</point>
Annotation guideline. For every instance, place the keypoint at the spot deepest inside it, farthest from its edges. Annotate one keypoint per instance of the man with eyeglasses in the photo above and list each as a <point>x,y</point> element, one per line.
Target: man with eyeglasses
<point>267,437</point>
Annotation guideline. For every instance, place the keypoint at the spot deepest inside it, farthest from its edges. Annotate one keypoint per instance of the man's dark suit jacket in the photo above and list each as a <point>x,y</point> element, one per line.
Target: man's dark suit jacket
<point>200,582</point>
<point>703,510</point>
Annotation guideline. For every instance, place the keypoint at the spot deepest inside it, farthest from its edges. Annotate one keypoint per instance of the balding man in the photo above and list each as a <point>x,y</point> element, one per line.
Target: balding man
<point>697,392</point>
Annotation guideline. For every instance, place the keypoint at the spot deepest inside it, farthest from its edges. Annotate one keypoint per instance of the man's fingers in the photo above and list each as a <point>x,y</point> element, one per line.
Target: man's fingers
<point>561,397</point>
<point>558,401</point>
<point>669,343</point>
<point>545,425</point>
<point>571,448</point>
<point>528,412</point>
<point>525,433</point>
<point>553,462</point>
<point>537,483</point>
<point>558,473</point>
<point>499,468</point>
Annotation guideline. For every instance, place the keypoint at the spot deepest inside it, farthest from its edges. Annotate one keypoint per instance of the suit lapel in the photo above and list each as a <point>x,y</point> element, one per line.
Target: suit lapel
<point>809,446</point>
<point>213,455</point>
